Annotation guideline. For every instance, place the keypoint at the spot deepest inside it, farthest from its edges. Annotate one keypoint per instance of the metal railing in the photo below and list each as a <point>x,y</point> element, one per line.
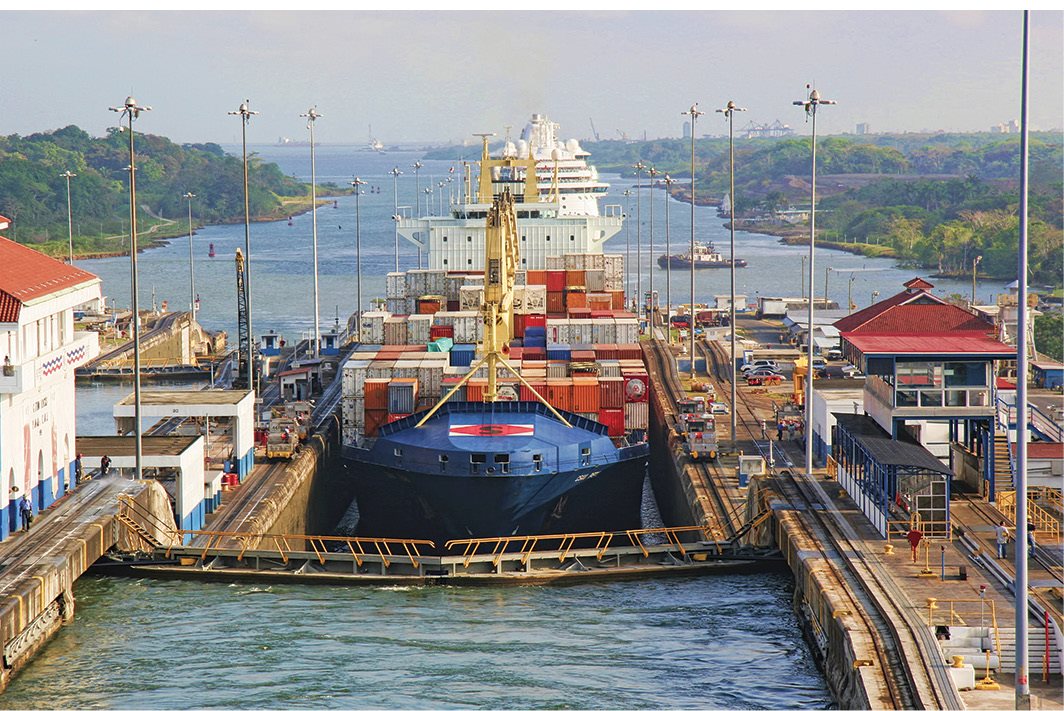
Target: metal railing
<point>240,544</point>
<point>598,543</point>
<point>949,613</point>
<point>1044,521</point>
<point>132,514</point>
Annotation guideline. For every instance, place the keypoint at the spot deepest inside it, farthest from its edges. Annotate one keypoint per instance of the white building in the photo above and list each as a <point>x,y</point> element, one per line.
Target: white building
<point>39,349</point>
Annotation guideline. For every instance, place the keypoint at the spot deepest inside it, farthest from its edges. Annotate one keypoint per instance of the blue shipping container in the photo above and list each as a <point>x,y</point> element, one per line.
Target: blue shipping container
<point>462,354</point>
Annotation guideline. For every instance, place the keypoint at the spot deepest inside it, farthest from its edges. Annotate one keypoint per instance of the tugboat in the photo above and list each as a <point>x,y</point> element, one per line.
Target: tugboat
<point>706,257</point>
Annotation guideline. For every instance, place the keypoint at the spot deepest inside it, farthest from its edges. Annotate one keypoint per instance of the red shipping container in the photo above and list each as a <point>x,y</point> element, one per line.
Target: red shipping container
<point>583,356</point>
<point>555,280</point>
<point>555,303</point>
<point>475,388</point>
<point>559,393</point>
<point>601,313</point>
<point>613,418</point>
<point>629,351</point>
<point>535,354</point>
<point>453,305</point>
<point>535,320</point>
<point>611,393</point>
<point>520,320</point>
<point>441,332</point>
<point>580,313</point>
<point>374,420</point>
<point>540,386</point>
<point>430,304</point>
<point>617,300</point>
<point>516,353</point>
<point>575,277</point>
<point>536,277</point>
<point>376,392</point>
<point>606,351</point>
<point>635,387</point>
<point>585,395</point>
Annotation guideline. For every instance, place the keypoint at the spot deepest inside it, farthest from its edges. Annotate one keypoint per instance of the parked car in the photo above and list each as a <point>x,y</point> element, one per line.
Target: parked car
<point>819,363</point>
<point>762,372</point>
<point>770,364</point>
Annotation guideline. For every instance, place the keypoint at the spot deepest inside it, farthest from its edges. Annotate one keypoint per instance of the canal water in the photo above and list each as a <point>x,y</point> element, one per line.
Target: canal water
<point>728,641</point>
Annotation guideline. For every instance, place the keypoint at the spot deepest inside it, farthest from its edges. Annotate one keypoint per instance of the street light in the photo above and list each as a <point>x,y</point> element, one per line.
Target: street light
<point>627,240</point>
<point>191,264</point>
<point>810,105</point>
<point>729,114</point>
<point>827,270</point>
<point>311,116</point>
<point>975,270</point>
<point>652,172</point>
<point>639,168</point>
<point>395,211</point>
<point>70,214</point>
<point>694,113</point>
<point>669,180</point>
<point>849,294</point>
<point>245,115</point>
<point>357,185</point>
<point>439,196</point>
<point>131,111</point>
<point>418,165</point>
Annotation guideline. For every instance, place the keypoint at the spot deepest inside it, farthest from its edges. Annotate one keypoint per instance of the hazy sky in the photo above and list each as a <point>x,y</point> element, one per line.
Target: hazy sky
<point>423,76</point>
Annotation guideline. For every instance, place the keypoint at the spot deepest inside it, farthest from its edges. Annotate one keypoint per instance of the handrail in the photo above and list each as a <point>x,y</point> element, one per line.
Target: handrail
<point>356,546</point>
<point>564,542</point>
<point>1043,520</point>
<point>953,616</point>
<point>128,504</point>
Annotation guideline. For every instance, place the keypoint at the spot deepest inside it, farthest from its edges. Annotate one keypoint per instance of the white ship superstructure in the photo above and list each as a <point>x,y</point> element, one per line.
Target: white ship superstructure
<point>557,210</point>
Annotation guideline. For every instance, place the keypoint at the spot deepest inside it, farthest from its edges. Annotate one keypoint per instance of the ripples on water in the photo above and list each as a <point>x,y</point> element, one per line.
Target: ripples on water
<point>710,642</point>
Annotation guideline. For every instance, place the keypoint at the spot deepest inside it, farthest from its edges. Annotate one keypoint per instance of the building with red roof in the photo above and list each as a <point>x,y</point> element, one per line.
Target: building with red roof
<point>39,349</point>
<point>930,396</point>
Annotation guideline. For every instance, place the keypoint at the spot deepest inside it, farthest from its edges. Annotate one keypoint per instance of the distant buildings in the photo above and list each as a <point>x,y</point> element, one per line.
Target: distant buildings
<point>777,129</point>
<point>1012,126</point>
<point>687,129</point>
<point>863,129</point>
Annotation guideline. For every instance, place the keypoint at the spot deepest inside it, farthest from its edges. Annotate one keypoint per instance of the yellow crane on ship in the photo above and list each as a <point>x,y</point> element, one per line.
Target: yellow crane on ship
<point>500,275</point>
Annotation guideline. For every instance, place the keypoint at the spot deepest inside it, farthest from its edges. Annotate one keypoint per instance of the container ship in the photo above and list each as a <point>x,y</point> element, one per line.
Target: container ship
<point>505,399</point>
<point>706,256</point>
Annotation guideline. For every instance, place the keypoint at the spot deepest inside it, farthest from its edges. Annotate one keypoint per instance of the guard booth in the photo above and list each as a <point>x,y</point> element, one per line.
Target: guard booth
<point>297,383</point>
<point>271,344</point>
<point>206,407</point>
<point>890,478</point>
<point>330,344</point>
<point>174,461</point>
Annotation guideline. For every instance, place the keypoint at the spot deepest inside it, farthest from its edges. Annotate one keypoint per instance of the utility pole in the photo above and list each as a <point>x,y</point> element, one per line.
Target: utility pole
<point>245,115</point>
<point>191,264</point>
<point>668,260</point>
<point>639,167</point>
<point>694,113</point>
<point>395,215</point>
<point>70,213</point>
<point>729,113</point>
<point>311,116</point>
<point>357,185</point>
<point>652,172</point>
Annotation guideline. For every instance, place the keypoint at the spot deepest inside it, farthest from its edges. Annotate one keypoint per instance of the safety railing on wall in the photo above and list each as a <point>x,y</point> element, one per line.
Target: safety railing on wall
<point>1044,521</point>
<point>965,613</point>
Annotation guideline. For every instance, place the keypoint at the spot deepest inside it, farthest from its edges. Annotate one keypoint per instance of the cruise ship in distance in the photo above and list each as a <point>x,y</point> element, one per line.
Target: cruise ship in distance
<point>562,216</point>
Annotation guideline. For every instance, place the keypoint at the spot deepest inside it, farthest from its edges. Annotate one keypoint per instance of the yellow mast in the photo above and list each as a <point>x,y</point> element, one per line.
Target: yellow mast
<point>500,274</point>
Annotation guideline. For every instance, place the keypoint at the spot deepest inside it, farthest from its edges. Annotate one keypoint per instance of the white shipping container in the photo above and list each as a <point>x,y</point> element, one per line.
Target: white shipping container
<point>430,378</point>
<point>603,330</point>
<point>354,377</point>
<point>610,368</point>
<point>581,331</point>
<point>417,328</point>
<point>406,368</point>
<point>395,285</point>
<point>470,298</point>
<point>636,415</point>
<point>533,299</point>
<point>574,262</point>
<point>435,281</point>
<point>595,279</point>
<point>397,305</point>
<point>379,369</point>
<point>596,261</point>
<point>521,277</point>
<point>373,326</point>
<point>554,262</point>
<point>452,283</point>
<point>395,331</point>
<point>415,282</point>
<point>627,330</point>
<point>557,369</point>
<point>557,330</point>
<point>468,327</point>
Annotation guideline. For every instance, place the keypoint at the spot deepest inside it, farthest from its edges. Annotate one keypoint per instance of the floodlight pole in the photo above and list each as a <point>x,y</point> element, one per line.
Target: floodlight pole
<point>729,113</point>
<point>70,213</point>
<point>694,113</point>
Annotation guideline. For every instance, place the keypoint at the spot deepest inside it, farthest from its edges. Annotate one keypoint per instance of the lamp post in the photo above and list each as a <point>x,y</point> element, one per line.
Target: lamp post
<point>802,275</point>
<point>849,294</point>
<point>627,239</point>
<point>639,168</point>
<point>131,111</point>
<point>418,165</point>
<point>191,264</point>
<point>729,113</point>
<point>975,270</point>
<point>311,116</point>
<point>694,113</point>
<point>428,205</point>
<point>70,213</point>
<point>439,195</point>
<point>245,115</point>
<point>875,294</point>
<point>827,270</point>
<point>810,105</point>
<point>395,211</point>
<point>652,172</point>
<point>357,185</point>
<point>668,258</point>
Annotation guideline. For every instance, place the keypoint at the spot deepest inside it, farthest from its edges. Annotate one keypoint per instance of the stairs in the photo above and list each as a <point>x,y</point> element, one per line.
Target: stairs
<point>1036,643</point>
<point>1002,464</point>
<point>137,529</point>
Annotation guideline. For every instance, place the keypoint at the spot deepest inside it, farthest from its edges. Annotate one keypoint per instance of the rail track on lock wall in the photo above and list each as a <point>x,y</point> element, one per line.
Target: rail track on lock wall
<point>897,634</point>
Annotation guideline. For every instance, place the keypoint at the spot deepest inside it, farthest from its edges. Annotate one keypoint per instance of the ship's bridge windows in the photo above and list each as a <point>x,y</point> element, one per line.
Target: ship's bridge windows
<point>469,238</point>
<point>469,262</point>
<point>445,261</point>
<point>524,238</point>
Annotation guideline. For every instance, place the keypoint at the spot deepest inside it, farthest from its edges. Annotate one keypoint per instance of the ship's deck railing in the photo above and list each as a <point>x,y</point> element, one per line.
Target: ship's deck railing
<point>360,548</point>
<point>598,542</point>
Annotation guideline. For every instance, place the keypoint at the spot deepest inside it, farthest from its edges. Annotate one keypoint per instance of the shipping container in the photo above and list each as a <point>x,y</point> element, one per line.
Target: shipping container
<point>556,281</point>
<point>402,395</point>
<point>377,393</point>
<point>613,418</point>
<point>463,354</point>
<point>636,415</point>
<point>575,277</point>
<point>438,331</point>
<point>555,302</point>
<point>559,392</point>
<point>536,277</point>
<point>635,386</point>
<point>595,279</point>
<point>585,395</point>
<point>375,419</point>
<point>611,392</point>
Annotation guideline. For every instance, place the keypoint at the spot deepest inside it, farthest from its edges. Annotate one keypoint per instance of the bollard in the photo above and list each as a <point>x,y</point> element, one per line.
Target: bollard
<point>987,683</point>
<point>888,549</point>
<point>958,661</point>
<point>932,603</point>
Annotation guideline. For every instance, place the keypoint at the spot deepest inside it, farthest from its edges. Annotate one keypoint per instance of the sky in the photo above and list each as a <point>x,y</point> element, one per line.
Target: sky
<point>419,76</point>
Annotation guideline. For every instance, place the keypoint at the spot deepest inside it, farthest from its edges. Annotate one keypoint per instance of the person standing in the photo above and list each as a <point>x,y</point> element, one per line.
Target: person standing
<point>26,511</point>
<point>1030,539</point>
<point>105,465</point>
<point>914,536</point>
<point>779,431</point>
<point>79,471</point>
<point>1001,535</point>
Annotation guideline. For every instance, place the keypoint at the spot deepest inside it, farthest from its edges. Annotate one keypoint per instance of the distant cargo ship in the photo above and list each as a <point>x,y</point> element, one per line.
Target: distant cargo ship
<point>705,257</point>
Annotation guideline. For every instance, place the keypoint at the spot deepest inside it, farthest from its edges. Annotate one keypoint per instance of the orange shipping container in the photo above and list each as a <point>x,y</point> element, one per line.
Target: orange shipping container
<point>600,302</point>
<point>377,394</point>
<point>540,386</point>
<point>475,389</point>
<point>617,300</point>
<point>555,302</point>
<point>575,277</point>
<point>585,395</point>
<point>536,277</point>
<point>575,300</point>
<point>374,420</point>
<point>559,393</point>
